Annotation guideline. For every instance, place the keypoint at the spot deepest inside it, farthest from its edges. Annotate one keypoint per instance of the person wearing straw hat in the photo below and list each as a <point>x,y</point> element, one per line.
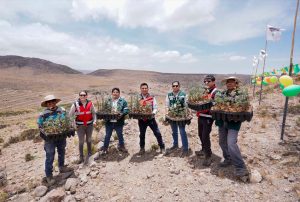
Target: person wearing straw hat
<point>228,134</point>
<point>85,113</point>
<point>52,112</point>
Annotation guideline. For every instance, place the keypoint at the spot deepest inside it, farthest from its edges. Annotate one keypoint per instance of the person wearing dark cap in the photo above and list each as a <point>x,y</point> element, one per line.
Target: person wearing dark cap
<point>205,122</point>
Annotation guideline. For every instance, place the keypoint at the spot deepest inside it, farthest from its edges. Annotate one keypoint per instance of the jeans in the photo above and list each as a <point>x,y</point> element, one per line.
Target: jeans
<point>109,127</point>
<point>143,124</point>
<point>184,140</point>
<point>204,129</point>
<point>49,148</point>
<point>85,132</point>
<point>228,144</point>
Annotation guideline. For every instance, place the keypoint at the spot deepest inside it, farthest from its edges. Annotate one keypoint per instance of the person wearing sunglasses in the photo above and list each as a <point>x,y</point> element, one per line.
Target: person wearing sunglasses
<point>85,113</point>
<point>174,98</point>
<point>52,112</point>
<point>205,122</point>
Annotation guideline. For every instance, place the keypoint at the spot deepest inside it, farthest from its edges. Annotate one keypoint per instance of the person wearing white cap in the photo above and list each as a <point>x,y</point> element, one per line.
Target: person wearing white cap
<point>51,112</point>
<point>228,134</point>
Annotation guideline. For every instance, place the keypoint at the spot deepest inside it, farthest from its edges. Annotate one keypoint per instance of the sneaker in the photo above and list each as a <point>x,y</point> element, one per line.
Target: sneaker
<point>50,180</point>
<point>65,169</point>
<point>122,149</point>
<point>184,153</point>
<point>171,149</point>
<point>199,153</point>
<point>142,151</point>
<point>162,150</point>
<point>225,163</point>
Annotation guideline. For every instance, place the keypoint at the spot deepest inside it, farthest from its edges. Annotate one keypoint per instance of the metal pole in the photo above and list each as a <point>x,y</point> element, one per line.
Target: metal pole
<point>290,72</point>
<point>254,85</point>
<point>262,77</point>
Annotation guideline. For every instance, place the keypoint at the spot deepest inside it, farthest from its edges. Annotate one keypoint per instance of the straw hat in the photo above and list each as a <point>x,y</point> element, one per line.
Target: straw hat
<point>48,98</point>
<point>224,81</point>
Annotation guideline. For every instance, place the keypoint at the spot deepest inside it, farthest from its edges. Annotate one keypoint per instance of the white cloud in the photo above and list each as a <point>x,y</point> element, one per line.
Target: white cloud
<point>237,58</point>
<point>85,52</point>
<point>162,15</point>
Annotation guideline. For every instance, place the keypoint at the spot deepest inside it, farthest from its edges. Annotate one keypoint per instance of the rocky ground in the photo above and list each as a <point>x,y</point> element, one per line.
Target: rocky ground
<point>274,164</point>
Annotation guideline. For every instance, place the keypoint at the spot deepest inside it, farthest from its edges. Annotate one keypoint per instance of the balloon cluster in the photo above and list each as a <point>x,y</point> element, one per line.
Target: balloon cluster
<point>286,83</point>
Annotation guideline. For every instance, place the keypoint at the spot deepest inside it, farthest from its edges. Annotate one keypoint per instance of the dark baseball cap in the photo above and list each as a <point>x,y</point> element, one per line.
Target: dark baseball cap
<point>210,77</point>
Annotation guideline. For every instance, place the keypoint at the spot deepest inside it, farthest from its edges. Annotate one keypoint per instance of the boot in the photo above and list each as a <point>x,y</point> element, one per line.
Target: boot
<point>122,148</point>
<point>65,169</point>
<point>207,160</point>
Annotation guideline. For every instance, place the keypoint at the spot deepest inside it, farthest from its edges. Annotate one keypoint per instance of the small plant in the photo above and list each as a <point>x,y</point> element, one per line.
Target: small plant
<point>1,140</point>
<point>298,122</point>
<point>137,105</point>
<point>199,95</point>
<point>3,196</point>
<point>60,124</point>
<point>94,149</point>
<point>235,101</point>
<point>28,157</point>
<point>294,109</point>
<point>154,147</point>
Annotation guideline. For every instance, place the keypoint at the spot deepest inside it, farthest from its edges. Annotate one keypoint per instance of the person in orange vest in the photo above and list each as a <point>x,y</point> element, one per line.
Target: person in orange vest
<point>85,113</point>
<point>147,99</point>
<point>205,122</point>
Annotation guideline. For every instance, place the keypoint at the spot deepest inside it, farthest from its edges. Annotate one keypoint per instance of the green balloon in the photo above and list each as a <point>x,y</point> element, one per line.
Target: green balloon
<point>292,90</point>
<point>273,79</point>
<point>281,86</point>
<point>264,83</point>
<point>253,81</point>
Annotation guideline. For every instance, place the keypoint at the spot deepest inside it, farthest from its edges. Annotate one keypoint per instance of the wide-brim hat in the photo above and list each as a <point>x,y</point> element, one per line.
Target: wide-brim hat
<point>48,98</point>
<point>224,81</point>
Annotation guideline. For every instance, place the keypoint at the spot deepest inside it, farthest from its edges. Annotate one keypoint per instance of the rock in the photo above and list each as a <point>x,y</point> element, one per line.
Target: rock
<point>70,198</point>
<point>40,191</point>
<point>80,197</point>
<point>290,161</point>
<point>3,177</point>
<point>55,195</point>
<point>274,157</point>
<point>291,178</point>
<point>176,172</point>
<point>94,174</point>
<point>255,177</point>
<point>71,184</point>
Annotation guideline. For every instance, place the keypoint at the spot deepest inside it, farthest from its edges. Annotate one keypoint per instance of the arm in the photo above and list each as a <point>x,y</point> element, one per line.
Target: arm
<point>94,114</point>
<point>154,111</point>
<point>72,110</point>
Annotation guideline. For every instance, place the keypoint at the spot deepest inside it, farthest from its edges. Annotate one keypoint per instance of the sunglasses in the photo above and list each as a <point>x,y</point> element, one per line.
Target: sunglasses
<point>175,85</point>
<point>82,95</point>
<point>207,81</point>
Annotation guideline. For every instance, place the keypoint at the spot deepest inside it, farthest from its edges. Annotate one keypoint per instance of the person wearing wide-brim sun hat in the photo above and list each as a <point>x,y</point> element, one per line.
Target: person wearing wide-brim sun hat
<point>228,133</point>
<point>52,111</point>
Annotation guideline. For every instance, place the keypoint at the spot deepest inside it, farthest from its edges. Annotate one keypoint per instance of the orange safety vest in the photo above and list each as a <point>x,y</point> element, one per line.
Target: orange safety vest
<point>84,114</point>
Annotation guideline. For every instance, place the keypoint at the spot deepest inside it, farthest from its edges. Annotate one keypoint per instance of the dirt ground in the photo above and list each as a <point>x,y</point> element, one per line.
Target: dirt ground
<point>151,177</point>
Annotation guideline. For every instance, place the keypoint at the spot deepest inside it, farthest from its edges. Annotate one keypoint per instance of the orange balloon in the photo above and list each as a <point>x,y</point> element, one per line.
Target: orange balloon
<point>268,80</point>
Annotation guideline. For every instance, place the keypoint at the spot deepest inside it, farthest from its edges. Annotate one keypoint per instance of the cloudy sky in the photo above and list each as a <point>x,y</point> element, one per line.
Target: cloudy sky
<point>186,36</point>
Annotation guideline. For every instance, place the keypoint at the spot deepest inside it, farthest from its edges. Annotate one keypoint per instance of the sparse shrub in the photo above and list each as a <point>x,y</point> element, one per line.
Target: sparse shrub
<point>13,113</point>
<point>115,136</point>
<point>274,115</point>
<point>298,122</point>
<point>3,126</point>
<point>94,149</point>
<point>263,125</point>
<point>154,147</point>
<point>294,109</point>
<point>1,140</point>
<point>28,157</point>
<point>3,196</point>
<point>12,140</point>
<point>29,134</point>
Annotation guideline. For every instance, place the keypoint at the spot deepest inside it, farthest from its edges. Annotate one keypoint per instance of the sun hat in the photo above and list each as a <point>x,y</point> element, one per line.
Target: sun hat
<point>224,81</point>
<point>48,98</point>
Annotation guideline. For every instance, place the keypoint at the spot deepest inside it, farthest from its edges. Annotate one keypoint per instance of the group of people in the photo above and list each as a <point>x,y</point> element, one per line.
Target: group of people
<point>85,114</point>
